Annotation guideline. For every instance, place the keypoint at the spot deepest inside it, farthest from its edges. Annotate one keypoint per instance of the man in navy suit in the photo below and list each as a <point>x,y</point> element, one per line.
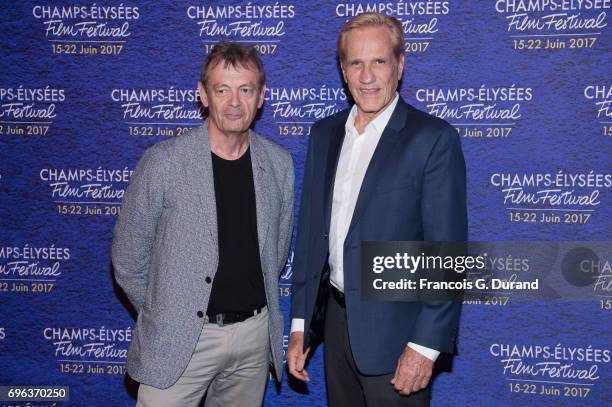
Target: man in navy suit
<point>379,171</point>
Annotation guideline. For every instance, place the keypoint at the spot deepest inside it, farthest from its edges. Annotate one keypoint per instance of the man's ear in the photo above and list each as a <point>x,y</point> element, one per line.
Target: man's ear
<point>400,68</point>
<point>202,92</point>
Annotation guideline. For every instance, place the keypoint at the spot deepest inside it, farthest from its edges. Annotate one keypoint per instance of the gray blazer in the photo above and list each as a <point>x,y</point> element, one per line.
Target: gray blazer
<point>165,245</point>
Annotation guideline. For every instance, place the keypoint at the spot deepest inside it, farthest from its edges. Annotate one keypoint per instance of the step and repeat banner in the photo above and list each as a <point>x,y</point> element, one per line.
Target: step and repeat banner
<point>86,87</point>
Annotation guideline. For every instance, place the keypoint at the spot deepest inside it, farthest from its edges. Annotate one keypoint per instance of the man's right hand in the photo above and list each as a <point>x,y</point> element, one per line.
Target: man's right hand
<point>296,358</point>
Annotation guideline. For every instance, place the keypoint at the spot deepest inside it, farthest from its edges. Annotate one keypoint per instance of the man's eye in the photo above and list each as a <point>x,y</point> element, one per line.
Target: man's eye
<point>221,92</point>
<point>380,61</point>
<point>247,91</point>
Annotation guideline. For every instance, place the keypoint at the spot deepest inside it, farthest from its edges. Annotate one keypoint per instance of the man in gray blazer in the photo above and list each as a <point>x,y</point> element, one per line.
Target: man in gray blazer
<point>202,237</point>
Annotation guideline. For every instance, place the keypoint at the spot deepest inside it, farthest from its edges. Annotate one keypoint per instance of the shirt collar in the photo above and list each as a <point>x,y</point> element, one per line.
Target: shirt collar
<point>379,123</point>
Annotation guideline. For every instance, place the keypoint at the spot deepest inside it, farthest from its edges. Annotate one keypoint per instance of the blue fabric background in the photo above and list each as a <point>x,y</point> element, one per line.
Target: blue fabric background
<point>557,131</point>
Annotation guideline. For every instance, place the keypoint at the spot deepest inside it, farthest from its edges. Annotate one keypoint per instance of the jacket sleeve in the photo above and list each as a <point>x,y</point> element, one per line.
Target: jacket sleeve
<point>303,240</point>
<point>444,216</point>
<point>286,219</point>
<point>135,229</point>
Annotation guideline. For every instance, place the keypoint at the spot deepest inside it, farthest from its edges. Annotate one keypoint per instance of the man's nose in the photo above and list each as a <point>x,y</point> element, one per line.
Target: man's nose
<point>366,75</point>
<point>235,99</point>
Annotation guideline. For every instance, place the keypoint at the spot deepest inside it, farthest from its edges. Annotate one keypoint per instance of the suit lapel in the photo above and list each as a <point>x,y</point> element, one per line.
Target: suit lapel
<point>200,174</point>
<point>261,180</point>
<point>336,138</point>
<point>391,135</point>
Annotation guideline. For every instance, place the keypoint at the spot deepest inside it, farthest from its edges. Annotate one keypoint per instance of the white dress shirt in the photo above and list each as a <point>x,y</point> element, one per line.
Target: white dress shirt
<point>355,156</point>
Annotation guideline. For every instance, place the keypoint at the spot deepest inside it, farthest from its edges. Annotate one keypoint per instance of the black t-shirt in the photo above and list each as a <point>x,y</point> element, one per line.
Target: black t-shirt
<point>238,284</point>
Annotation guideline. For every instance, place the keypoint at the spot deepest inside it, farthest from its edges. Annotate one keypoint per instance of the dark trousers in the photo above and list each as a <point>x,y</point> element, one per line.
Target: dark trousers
<point>346,386</point>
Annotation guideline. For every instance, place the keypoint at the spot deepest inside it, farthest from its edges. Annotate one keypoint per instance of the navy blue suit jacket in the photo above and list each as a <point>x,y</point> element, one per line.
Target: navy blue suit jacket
<point>414,189</point>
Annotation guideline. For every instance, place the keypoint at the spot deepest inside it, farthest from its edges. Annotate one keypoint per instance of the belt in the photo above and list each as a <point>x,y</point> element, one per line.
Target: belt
<point>226,318</point>
<point>339,296</point>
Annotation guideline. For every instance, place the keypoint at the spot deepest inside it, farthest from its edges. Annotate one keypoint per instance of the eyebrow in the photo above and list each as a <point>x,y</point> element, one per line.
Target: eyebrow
<point>225,85</point>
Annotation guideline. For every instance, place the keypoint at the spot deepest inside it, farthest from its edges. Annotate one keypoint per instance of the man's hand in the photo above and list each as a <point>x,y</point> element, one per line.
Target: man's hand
<point>296,358</point>
<point>412,373</point>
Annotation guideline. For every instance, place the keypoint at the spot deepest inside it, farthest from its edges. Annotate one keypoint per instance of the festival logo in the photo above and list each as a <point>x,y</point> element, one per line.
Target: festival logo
<point>158,113</point>
<point>598,272</point>
<point>93,29</point>
<point>32,269</point>
<point>482,112</point>
<point>601,97</point>
<point>294,110</point>
<point>86,191</point>
<point>552,198</point>
<point>554,372</point>
<point>263,25</point>
<point>552,25</point>
<point>89,351</point>
<point>29,112</point>
<point>511,268</point>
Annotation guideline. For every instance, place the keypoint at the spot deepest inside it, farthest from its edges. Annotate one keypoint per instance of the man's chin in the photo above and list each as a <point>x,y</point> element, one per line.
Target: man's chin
<point>370,107</point>
<point>235,130</point>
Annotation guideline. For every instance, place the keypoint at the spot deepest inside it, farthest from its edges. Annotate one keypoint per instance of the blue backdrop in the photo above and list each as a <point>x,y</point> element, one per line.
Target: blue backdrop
<point>86,87</point>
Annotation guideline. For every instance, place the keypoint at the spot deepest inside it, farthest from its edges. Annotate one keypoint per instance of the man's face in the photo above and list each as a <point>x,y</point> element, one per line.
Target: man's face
<point>232,98</point>
<point>370,69</point>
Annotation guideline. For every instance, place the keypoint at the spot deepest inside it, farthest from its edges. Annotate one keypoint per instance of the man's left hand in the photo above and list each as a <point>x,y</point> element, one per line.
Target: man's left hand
<point>412,373</point>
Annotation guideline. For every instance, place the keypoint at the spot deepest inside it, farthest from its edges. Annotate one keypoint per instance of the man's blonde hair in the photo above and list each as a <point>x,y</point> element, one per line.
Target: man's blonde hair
<point>373,20</point>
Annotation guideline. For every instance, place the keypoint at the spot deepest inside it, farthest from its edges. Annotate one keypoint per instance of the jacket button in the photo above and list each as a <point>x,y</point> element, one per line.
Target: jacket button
<point>325,236</point>
<point>208,280</point>
<point>200,314</point>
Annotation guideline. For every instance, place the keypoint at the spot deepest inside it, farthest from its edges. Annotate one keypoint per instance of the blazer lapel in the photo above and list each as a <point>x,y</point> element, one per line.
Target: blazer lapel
<point>333,154</point>
<point>391,135</point>
<point>261,180</point>
<point>200,174</point>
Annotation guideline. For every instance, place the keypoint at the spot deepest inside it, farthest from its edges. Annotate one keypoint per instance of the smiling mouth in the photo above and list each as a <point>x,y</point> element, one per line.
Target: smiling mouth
<point>369,91</point>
